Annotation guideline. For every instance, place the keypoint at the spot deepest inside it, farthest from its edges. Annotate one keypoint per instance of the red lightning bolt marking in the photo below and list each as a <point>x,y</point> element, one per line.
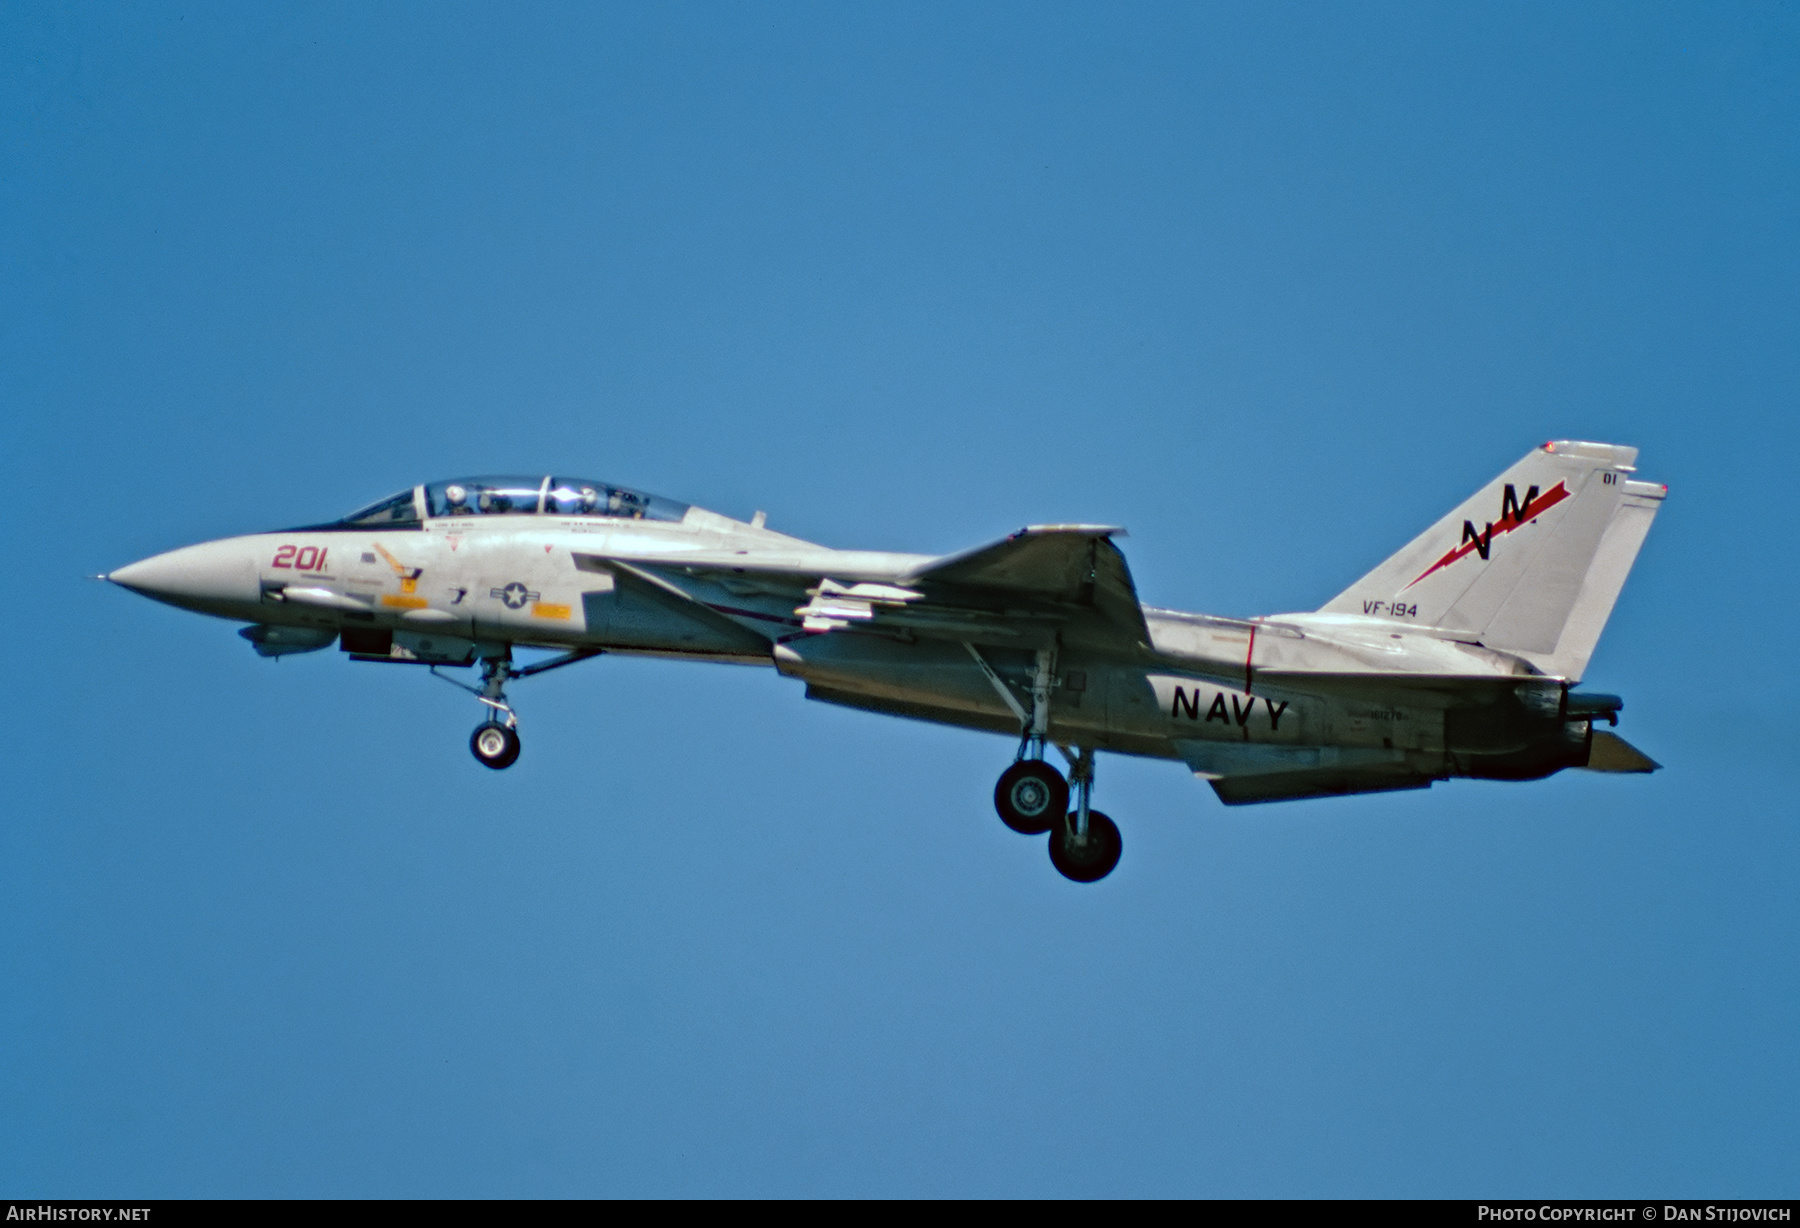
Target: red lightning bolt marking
<point>1531,511</point>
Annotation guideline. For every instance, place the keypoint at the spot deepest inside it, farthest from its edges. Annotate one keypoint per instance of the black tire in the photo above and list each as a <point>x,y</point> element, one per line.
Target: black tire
<point>1031,796</point>
<point>494,745</point>
<point>1092,859</point>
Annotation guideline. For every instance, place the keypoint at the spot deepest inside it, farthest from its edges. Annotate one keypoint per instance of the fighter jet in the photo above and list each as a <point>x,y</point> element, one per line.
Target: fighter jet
<point>1458,656</point>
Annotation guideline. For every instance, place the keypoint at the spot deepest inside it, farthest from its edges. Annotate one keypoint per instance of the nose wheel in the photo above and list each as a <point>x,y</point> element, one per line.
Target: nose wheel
<point>495,745</point>
<point>495,742</point>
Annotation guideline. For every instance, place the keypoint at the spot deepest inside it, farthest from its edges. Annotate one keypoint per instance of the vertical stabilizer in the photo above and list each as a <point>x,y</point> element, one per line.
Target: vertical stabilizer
<point>1531,563</point>
<point>1624,535</point>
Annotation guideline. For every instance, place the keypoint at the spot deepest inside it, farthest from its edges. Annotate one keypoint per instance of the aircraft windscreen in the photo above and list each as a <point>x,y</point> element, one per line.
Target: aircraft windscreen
<point>395,509</point>
<point>491,496</point>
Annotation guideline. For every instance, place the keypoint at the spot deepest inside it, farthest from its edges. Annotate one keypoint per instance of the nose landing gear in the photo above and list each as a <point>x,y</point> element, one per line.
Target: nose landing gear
<point>495,742</point>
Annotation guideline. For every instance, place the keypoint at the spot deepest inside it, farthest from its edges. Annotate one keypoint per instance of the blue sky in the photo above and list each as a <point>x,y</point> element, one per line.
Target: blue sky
<point>1273,285</point>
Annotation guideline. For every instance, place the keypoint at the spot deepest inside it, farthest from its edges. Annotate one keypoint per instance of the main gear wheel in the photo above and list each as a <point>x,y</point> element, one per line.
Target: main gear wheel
<point>1089,860</point>
<point>1031,797</point>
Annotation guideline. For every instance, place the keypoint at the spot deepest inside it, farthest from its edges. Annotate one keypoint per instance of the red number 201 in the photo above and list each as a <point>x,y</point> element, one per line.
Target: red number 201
<point>301,558</point>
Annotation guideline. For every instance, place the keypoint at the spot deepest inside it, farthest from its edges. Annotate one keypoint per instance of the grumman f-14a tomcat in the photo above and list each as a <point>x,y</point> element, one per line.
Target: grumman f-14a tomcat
<point>1458,656</point>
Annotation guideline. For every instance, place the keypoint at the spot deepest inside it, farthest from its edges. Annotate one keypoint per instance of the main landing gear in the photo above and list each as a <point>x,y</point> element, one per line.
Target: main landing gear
<point>1032,797</point>
<point>495,742</point>
<point>1085,845</point>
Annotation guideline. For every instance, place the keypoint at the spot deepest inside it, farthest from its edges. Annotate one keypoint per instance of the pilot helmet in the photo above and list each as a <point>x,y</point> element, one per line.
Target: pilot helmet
<point>454,495</point>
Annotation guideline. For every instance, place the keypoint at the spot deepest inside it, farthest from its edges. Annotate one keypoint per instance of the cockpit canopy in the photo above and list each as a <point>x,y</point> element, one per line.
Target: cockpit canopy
<point>516,496</point>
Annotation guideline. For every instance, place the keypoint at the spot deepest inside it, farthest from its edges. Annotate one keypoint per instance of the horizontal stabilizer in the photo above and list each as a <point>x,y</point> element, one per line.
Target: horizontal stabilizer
<point>1326,782</point>
<point>1241,773</point>
<point>1610,753</point>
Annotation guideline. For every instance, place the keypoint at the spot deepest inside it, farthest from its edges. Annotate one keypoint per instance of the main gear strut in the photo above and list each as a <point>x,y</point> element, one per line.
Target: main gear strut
<point>1031,795</point>
<point>1086,845</point>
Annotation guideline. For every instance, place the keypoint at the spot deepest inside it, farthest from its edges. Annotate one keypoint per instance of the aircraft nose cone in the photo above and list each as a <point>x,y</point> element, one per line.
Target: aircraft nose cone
<point>214,577</point>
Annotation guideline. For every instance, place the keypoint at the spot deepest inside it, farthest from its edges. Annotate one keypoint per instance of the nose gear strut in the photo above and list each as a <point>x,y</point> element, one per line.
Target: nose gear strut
<point>495,742</point>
